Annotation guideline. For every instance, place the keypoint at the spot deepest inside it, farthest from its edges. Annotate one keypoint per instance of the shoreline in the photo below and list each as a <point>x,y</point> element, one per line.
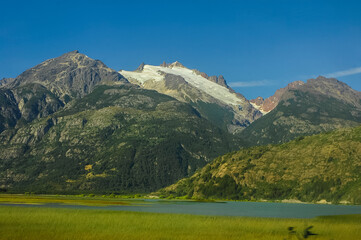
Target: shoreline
<point>137,197</point>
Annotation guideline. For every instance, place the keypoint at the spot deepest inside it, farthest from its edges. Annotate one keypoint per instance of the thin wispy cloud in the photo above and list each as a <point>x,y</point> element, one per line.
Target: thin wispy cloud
<point>251,83</point>
<point>344,73</point>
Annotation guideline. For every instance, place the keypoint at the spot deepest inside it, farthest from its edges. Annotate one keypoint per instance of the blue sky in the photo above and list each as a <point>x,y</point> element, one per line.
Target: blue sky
<point>259,46</point>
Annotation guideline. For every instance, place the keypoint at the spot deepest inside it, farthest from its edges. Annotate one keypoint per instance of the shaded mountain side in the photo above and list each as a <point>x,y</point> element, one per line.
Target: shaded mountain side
<point>115,139</point>
<point>35,101</point>
<point>324,166</point>
<point>319,105</point>
<point>9,112</point>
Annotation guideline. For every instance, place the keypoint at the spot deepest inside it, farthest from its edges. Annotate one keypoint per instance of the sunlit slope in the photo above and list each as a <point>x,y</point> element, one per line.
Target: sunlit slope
<point>325,166</point>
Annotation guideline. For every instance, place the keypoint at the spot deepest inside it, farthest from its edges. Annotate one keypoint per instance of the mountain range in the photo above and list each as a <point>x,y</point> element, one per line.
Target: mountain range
<point>71,124</point>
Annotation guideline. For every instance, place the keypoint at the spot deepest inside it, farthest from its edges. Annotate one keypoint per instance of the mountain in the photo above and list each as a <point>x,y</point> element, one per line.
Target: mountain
<point>211,96</point>
<point>72,125</point>
<point>47,87</point>
<point>268,104</point>
<point>314,168</point>
<point>319,105</point>
<point>68,76</point>
<point>117,138</point>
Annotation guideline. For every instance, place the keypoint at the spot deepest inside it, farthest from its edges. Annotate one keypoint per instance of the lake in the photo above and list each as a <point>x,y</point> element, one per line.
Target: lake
<point>228,208</point>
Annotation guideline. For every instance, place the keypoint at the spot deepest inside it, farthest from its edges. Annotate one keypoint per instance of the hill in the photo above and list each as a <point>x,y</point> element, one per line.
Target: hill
<point>325,166</point>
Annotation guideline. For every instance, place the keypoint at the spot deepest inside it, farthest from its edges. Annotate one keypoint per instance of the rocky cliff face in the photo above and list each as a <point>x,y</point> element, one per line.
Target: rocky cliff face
<point>9,111</point>
<point>5,81</point>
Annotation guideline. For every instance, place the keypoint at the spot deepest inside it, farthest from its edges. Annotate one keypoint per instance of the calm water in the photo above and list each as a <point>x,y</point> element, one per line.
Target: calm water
<point>248,209</point>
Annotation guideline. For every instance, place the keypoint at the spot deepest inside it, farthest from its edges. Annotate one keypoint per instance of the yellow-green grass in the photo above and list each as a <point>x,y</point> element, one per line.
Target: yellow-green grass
<point>87,200</point>
<point>61,199</point>
<point>65,223</point>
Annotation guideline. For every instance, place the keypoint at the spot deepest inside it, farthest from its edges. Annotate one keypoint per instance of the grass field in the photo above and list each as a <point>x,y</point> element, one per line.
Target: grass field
<point>64,199</point>
<point>63,223</point>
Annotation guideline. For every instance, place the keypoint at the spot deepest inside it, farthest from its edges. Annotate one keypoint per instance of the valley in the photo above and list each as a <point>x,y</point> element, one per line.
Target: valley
<point>180,120</point>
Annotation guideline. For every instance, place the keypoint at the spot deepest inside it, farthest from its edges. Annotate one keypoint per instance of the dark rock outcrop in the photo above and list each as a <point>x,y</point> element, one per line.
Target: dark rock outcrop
<point>140,68</point>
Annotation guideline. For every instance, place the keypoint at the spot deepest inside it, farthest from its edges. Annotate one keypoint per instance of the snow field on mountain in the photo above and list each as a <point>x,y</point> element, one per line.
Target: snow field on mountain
<point>217,91</point>
<point>148,73</point>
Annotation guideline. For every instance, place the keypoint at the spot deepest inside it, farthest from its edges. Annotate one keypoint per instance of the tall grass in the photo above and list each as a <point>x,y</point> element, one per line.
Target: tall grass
<point>61,223</point>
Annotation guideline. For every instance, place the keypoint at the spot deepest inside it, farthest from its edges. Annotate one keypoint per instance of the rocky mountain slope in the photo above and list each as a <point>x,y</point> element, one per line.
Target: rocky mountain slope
<point>5,81</point>
<point>73,125</point>
<point>9,111</point>
<point>211,96</point>
<point>320,105</point>
<point>47,87</point>
<point>268,104</point>
<point>68,76</point>
<point>314,168</point>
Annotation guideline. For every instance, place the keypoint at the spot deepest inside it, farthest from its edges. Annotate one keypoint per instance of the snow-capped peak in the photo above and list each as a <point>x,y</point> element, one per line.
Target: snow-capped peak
<point>156,73</point>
